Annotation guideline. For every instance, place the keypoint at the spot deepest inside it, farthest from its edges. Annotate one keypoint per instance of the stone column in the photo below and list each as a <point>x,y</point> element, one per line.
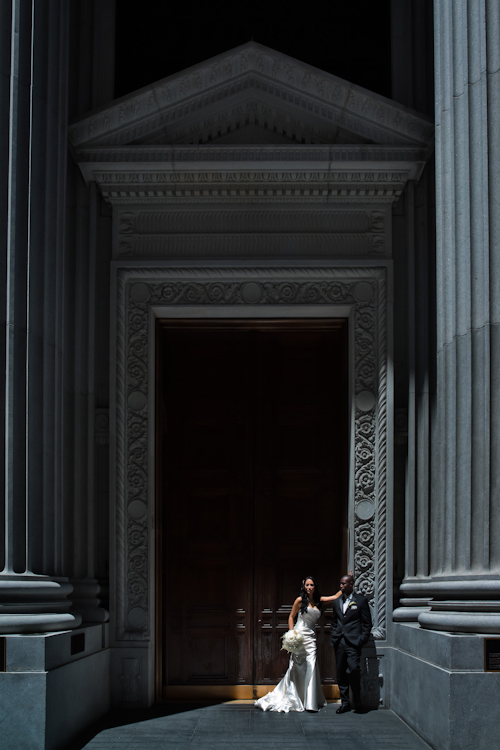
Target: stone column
<point>33,592</point>
<point>460,572</point>
<point>411,54</point>
<point>92,64</point>
<point>420,342</point>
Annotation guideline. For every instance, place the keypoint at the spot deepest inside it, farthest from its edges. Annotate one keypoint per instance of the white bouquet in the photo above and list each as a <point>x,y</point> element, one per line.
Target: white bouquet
<point>292,641</point>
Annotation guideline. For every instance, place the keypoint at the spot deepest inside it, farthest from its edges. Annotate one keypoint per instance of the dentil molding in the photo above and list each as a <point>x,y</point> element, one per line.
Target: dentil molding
<point>266,174</point>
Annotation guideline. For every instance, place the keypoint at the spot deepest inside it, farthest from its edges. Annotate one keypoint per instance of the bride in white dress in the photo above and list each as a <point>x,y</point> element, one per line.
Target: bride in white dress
<point>300,688</point>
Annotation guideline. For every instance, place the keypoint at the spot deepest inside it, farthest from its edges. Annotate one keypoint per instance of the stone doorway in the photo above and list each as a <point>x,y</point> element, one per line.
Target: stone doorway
<point>252,478</point>
<point>145,294</point>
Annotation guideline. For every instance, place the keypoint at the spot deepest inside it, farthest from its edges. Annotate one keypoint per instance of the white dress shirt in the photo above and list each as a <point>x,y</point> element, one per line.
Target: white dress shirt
<point>345,603</point>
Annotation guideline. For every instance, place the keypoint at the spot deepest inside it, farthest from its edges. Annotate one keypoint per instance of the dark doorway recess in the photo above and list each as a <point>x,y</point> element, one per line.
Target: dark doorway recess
<point>252,454</point>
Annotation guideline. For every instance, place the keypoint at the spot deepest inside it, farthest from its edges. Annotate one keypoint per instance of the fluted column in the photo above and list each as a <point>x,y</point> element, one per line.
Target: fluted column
<point>33,593</point>
<point>419,212</point>
<point>92,57</point>
<point>463,577</point>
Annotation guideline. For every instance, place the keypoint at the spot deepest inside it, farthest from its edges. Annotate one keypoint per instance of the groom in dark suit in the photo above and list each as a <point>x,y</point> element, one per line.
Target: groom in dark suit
<point>351,626</point>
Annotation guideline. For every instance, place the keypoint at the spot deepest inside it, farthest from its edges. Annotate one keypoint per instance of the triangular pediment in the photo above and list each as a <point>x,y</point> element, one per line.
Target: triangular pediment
<point>251,95</point>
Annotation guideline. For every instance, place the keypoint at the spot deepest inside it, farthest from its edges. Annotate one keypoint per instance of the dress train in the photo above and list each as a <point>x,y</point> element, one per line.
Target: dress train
<point>300,688</point>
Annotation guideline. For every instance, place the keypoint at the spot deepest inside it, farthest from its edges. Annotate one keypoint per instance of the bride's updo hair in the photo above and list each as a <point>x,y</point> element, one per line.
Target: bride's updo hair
<point>305,596</point>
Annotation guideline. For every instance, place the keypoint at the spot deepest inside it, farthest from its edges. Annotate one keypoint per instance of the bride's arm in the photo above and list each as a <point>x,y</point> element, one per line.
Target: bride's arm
<point>335,596</point>
<point>331,598</point>
<point>293,613</point>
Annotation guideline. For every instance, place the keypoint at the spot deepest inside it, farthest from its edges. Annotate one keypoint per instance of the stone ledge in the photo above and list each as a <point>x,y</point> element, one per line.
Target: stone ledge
<point>44,710</point>
<point>449,708</point>
<point>451,651</point>
<point>41,652</point>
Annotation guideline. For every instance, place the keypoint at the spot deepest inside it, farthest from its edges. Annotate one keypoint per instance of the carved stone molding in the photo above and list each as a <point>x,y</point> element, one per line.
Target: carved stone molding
<point>132,184</point>
<point>198,100</point>
<point>140,290</point>
<point>245,123</point>
<point>266,174</point>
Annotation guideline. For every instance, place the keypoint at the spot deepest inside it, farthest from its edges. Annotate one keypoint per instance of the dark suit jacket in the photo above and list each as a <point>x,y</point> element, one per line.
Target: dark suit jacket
<point>355,625</point>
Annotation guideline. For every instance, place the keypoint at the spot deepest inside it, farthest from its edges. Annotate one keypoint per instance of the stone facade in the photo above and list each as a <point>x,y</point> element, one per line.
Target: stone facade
<point>250,184</point>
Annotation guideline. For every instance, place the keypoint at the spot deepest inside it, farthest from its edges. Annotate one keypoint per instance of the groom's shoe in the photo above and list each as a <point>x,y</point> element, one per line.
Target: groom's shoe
<point>358,706</point>
<point>344,708</point>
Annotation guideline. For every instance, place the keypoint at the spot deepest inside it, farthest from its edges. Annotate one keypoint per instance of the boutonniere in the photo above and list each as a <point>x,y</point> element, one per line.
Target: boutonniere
<point>352,605</point>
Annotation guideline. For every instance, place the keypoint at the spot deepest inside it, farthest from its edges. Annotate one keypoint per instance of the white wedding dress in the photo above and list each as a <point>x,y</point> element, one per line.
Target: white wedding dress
<point>300,688</point>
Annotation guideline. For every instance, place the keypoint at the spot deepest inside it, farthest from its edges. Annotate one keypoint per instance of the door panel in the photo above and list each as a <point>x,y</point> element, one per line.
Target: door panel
<point>299,482</point>
<point>206,445</point>
<point>252,457</point>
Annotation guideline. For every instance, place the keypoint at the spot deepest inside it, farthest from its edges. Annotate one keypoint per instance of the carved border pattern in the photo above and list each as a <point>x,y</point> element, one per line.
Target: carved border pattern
<point>382,581</point>
<point>364,289</point>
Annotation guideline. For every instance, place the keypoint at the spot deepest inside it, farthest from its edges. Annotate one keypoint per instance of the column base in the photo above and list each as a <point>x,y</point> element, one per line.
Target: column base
<point>46,622</point>
<point>462,617</point>
<point>86,601</point>
<point>440,688</point>
<point>410,609</point>
<point>456,604</point>
<point>35,604</point>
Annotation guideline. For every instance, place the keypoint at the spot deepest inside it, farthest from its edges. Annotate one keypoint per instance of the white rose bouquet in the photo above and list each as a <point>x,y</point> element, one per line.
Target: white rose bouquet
<point>292,641</point>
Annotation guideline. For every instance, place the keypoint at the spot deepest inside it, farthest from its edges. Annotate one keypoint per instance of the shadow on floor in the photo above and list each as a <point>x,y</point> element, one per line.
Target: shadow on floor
<point>120,717</point>
<point>240,726</point>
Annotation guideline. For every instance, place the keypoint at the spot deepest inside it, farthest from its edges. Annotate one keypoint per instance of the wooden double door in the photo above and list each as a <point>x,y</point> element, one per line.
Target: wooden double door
<point>252,446</point>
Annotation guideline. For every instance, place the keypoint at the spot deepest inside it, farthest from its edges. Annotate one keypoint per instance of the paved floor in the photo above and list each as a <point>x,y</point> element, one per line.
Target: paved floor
<point>243,727</point>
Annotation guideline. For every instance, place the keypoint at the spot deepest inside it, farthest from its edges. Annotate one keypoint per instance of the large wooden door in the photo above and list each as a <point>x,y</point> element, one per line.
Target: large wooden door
<point>251,478</point>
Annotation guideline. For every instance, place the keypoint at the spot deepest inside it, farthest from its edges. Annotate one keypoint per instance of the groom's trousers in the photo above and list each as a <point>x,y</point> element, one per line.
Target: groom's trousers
<point>347,657</point>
